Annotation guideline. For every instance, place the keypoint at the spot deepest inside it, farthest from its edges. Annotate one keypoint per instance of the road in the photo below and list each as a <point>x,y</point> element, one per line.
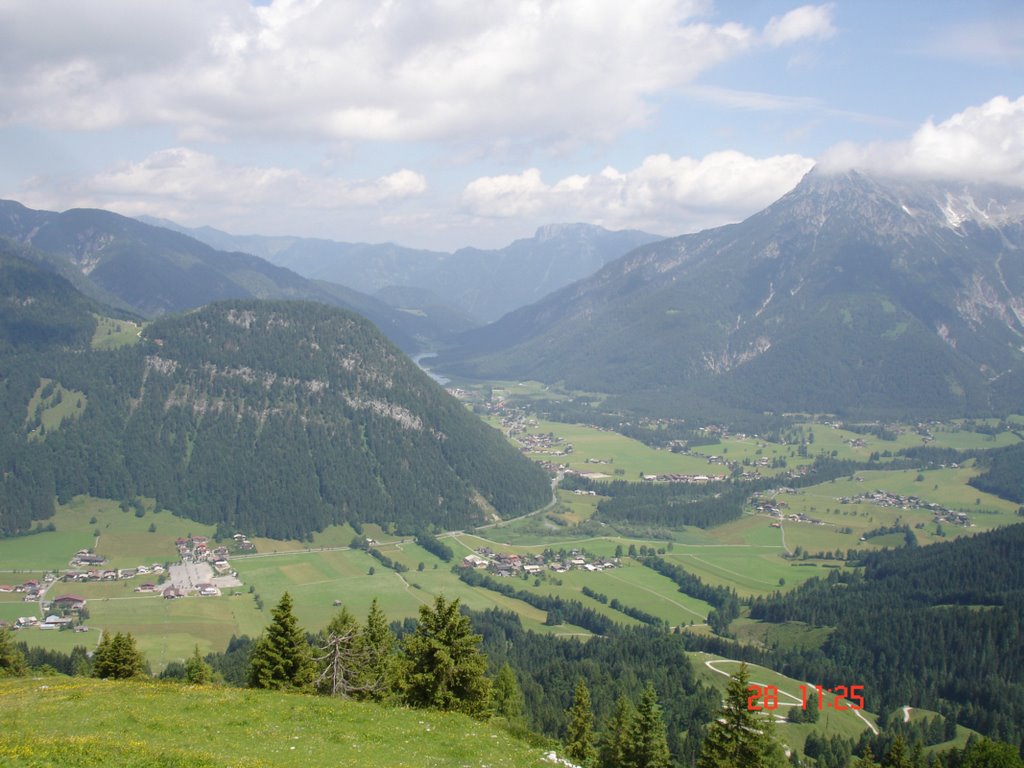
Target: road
<point>710,664</point>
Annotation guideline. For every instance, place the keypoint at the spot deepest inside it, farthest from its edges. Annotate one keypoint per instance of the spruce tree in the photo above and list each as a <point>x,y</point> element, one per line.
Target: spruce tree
<point>197,671</point>
<point>507,696</point>
<point>650,737</point>
<point>340,661</point>
<point>738,738</point>
<point>579,735</point>
<point>117,658</point>
<point>280,658</point>
<point>12,660</point>
<point>617,737</point>
<point>379,671</point>
<point>445,668</point>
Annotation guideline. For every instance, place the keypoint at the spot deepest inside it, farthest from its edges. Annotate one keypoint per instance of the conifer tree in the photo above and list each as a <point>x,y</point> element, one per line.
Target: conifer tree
<point>340,663</point>
<point>445,668</point>
<point>379,671</point>
<point>197,671</point>
<point>738,738</point>
<point>579,735</point>
<point>117,657</point>
<point>650,737</point>
<point>280,658</point>
<point>507,696</point>
<point>12,660</point>
<point>617,737</point>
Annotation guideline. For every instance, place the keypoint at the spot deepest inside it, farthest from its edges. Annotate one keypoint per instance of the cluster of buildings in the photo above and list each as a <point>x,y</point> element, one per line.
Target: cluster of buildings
<point>85,557</point>
<point>63,613</point>
<point>512,564</point>
<point>196,549</point>
<point>31,589</point>
<point>882,498</point>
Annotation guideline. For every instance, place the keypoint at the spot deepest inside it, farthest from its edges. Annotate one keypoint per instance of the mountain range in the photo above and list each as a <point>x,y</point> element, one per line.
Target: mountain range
<point>481,285</point>
<point>151,270</point>
<point>849,294</point>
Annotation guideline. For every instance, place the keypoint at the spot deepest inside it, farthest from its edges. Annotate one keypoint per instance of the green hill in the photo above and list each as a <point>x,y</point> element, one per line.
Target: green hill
<point>274,418</point>
<point>80,722</point>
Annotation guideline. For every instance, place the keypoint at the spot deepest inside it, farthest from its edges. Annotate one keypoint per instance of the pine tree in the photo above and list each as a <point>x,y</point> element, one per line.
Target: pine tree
<point>650,737</point>
<point>197,671</point>
<point>507,696</point>
<point>579,735</point>
<point>738,738</point>
<point>445,668</point>
<point>617,738</point>
<point>280,658</point>
<point>12,660</point>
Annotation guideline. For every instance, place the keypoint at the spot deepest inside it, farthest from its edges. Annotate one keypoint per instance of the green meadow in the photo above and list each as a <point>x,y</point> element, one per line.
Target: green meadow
<point>58,721</point>
<point>111,333</point>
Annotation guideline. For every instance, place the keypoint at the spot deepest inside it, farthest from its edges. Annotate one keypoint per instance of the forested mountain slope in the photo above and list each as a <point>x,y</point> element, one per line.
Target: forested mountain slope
<point>848,294</point>
<point>931,626</point>
<point>276,418</point>
<point>152,270</point>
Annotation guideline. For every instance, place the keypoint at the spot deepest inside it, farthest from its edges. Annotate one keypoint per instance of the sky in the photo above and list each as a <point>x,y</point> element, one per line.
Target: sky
<point>440,124</point>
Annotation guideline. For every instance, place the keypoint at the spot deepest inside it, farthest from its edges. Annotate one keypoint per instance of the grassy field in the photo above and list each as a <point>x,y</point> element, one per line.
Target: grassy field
<point>62,722</point>
<point>111,333</point>
<point>747,554</point>
<point>844,722</point>
<point>53,403</point>
<point>124,539</point>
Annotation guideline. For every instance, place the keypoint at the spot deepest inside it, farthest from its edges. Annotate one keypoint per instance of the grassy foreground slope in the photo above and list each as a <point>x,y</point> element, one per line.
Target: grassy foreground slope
<point>79,722</point>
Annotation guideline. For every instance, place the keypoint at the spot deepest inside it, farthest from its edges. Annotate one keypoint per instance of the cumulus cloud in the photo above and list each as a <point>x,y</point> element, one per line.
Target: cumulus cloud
<point>193,186</point>
<point>364,69</point>
<point>805,22</point>
<point>982,143</point>
<point>664,194</point>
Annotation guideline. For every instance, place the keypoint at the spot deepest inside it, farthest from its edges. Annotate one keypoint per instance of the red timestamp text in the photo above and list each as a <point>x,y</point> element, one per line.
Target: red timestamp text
<point>766,697</point>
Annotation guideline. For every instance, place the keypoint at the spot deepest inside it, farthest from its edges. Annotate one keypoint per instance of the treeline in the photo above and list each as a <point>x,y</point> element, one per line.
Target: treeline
<point>435,546</point>
<point>940,626</point>
<point>689,583</point>
<point>269,417</point>
<point>1003,473</point>
<point>672,505</point>
<point>559,611</point>
<point>615,666</point>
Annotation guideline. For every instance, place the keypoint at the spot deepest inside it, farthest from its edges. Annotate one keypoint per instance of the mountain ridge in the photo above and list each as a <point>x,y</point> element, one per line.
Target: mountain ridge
<point>480,283</point>
<point>842,278</point>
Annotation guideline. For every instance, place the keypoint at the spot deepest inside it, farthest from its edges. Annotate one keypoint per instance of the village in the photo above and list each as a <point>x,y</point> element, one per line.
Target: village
<point>194,574</point>
<point>511,564</point>
<point>881,498</point>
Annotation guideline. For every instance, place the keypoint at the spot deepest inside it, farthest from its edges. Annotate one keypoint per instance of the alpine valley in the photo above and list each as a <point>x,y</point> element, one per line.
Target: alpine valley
<point>851,294</point>
<point>793,443</point>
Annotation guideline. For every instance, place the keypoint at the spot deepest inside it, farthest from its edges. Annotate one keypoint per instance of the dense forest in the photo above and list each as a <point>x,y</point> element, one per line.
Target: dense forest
<point>935,626</point>
<point>275,418</point>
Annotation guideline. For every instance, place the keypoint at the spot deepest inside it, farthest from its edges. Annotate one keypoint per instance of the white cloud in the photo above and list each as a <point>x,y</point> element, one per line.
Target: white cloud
<point>664,194</point>
<point>982,143</point>
<point>363,69</point>
<point>805,22</point>
<point>194,187</point>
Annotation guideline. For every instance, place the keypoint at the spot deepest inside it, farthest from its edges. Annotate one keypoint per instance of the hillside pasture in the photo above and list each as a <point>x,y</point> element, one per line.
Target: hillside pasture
<point>112,333</point>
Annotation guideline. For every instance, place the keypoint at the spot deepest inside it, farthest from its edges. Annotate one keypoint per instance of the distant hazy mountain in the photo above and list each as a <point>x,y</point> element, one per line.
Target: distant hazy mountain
<point>152,270</point>
<point>848,293</point>
<point>483,284</point>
